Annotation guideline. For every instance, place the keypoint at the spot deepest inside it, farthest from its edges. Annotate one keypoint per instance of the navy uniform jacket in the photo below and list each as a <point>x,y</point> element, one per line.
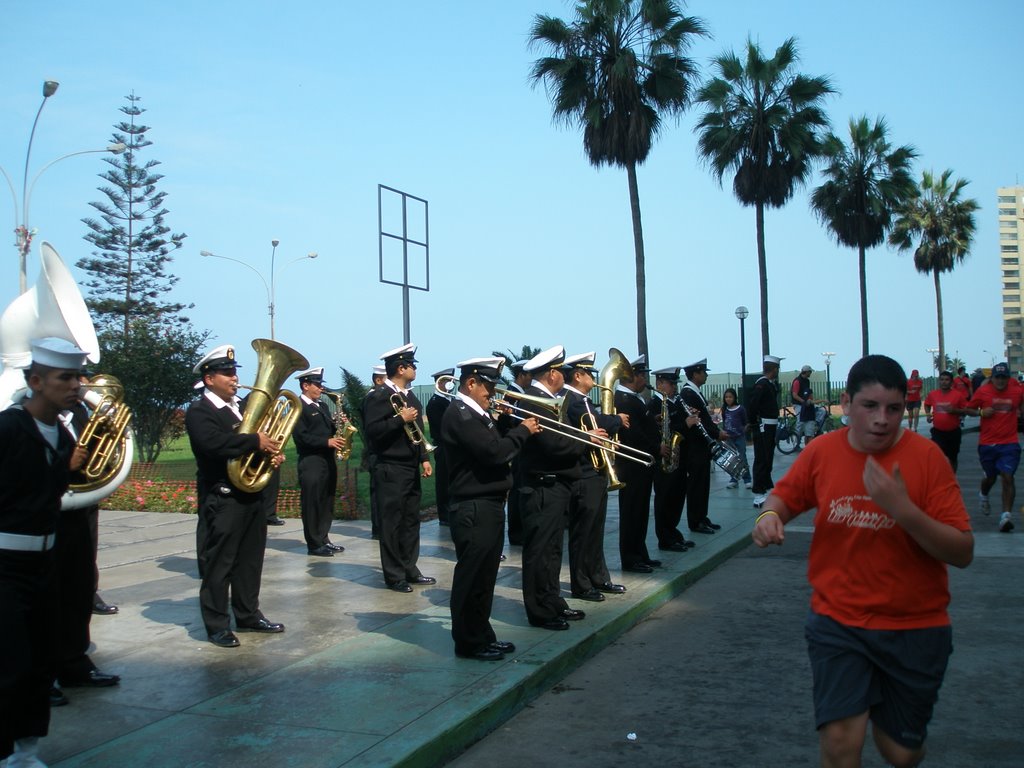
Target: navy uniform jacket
<point>695,441</point>
<point>214,437</point>
<point>576,410</point>
<point>436,408</point>
<point>30,486</point>
<point>385,430</point>
<point>312,431</point>
<point>764,400</point>
<point>479,450</point>
<point>643,432</point>
<point>550,453</point>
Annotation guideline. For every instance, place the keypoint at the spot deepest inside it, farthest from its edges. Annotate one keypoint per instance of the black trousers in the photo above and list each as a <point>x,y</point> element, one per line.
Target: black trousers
<point>269,494</point>
<point>477,527</point>
<point>76,583</point>
<point>398,494</point>
<point>231,549</point>
<point>515,518</point>
<point>634,511</point>
<point>764,458</point>
<point>28,644</point>
<point>588,508</point>
<point>318,479</point>
<point>545,509</point>
<point>441,484</point>
<point>669,497</point>
<point>949,442</point>
<point>697,465</point>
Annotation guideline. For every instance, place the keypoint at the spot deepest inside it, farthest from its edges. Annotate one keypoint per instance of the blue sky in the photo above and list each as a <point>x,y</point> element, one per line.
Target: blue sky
<point>274,122</point>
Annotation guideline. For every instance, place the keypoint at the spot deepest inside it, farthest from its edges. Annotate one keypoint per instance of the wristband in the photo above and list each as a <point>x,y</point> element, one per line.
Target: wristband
<point>765,514</point>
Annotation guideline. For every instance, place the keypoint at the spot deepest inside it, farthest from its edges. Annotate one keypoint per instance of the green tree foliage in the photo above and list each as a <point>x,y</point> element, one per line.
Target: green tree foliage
<point>866,181</point>
<point>128,272</point>
<point>510,357</point>
<point>613,71</point>
<point>154,362</point>
<point>765,123</point>
<point>941,223</point>
<point>355,392</point>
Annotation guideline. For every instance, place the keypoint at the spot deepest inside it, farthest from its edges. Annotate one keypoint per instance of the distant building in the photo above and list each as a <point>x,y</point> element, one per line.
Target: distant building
<point>1011,235</point>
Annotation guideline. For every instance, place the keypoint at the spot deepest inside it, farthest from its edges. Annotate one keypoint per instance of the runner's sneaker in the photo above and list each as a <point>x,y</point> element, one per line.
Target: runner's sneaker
<point>759,499</point>
<point>732,484</point>
<point>1005,523</point>
<point>748,485</point>
<point>984,503</point>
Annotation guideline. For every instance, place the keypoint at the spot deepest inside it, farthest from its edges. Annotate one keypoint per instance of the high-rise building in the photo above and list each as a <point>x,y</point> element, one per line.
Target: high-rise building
<point>1011,235</point>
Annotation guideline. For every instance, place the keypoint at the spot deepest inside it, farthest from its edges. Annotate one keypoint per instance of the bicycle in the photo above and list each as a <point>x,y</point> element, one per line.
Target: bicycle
<point>787,435</point>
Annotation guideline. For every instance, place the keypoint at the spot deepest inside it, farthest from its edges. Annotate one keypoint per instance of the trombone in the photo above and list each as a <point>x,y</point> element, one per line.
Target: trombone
<point>506,400</point>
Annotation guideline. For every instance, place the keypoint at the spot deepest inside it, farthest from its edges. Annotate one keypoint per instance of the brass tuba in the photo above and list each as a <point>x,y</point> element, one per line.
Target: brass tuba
<point>615,370</point>
<point>105,437</point>
<point>268,409</point>
<point>343,426</point>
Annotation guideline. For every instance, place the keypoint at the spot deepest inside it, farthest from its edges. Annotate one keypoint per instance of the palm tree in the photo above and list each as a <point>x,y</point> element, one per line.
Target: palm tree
<point>943,226</point>
<point>614,71</point>
<point>867,181</point>
<point>765,122</point>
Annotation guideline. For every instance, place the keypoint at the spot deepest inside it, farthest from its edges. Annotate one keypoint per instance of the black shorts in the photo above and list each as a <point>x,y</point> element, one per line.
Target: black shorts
<point>893,674</point>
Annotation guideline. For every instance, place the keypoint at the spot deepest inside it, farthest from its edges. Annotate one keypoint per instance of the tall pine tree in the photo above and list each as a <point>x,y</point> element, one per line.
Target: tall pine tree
<point>128,277</point>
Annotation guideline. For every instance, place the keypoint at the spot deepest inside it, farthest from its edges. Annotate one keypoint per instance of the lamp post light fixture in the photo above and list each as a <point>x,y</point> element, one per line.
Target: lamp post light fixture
<point>269,287</point>
<point>828,376</point>
<point>743,313</point>
<point>936,363</point>
<point>24,235</point>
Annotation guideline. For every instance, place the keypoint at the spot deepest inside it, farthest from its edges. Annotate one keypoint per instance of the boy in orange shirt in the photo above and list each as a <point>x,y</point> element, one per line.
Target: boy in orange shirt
<point>890,518</point>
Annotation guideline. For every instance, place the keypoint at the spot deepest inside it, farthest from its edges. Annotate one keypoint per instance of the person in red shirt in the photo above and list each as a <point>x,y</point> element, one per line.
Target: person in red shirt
<point>890,518</point>
<point>914,386</point>
<point>943,408</point>
<point>963,382</point>
<point>998,404</point>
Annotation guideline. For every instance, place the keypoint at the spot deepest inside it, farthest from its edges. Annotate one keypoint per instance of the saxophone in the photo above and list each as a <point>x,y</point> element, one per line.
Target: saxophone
<point>343,426</point>
<point>671,439</point>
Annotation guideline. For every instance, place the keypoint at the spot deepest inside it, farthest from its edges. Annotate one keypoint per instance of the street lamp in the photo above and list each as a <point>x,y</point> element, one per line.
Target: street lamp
<point>743,313</point>
<point>828,374</point>
<point>936,363</point>
<point>268,286</point>
<point>23,234</point>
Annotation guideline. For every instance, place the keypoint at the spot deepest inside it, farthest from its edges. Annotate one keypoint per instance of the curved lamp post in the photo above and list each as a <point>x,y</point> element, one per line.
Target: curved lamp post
<point>268,286</point>
<point>743,313</point>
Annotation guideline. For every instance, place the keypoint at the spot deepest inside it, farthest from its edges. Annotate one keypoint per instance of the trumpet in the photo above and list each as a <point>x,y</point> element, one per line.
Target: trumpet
<point>506,400</point>
<point>412,428</point>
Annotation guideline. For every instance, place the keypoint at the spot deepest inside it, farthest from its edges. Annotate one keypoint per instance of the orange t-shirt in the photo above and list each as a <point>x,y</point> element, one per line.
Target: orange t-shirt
<point>864,569</point>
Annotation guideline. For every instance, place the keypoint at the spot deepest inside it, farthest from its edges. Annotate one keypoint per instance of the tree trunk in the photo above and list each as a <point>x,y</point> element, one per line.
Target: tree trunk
<point>863,302</point>
<point>938,316</point>
<point>762,270</point>
<point>638,247</point>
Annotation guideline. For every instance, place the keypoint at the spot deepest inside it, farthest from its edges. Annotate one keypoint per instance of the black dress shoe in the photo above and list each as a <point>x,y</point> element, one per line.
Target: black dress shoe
<point>423,580</point>
<point>263,625</point>
<point>675,546</point>
<point>592,595</point>
<point>570,614</point>
<point>689,543</point>
<point>224,639</point>
<point>57,697</point>
<point>709,524</point>
<point>274,520</point>
<point>400,586</point>
<point>501,559</point>
<point>638,568</point>
<point>553,624</point>
<point>94,679</point>
<point>653,563</point>
<point>502,645</point>
<point>334,547</point>
<point>323,551</point>
<point>611,589</point>
<point>484,654</point>
<point>101,608</point>
<point>703,528</point>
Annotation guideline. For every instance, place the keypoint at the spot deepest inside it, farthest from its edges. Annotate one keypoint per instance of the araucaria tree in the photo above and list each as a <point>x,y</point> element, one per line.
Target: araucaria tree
<point>866,181</point>
<point>128,277</point>
<point>764,122</point>
<point>614,71</point>
<point>941,223</point>
<point>144,339</point>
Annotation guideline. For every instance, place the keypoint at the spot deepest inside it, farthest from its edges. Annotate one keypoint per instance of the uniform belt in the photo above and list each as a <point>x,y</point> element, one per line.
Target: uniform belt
<point>21,542</point>
<point>769,421</point>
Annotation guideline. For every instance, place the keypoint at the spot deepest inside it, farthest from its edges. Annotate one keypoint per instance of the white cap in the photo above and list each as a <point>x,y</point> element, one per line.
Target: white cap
<point>549,358</point>
<point>806,369</point>
<point>584,362</point>
<point>379,370</point>
<point>702,363</point>
<point>217,359</point>
<point>773,359</point>
<point>406,353</point>
<point>486,368</point>
<point>311,374</point>
<point>57,353</point>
